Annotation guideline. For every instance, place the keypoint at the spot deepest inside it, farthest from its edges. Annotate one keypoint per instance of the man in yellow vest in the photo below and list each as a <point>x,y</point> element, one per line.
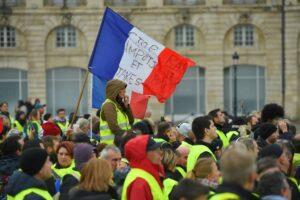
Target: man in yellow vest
<point>205,132</point>
<point>61,120</point>
<point>29,183</point>
<point>4,111</point>
<point>144,179</point>
<point>218,118</point>
<point>115,116</point>
<point>238,168</point>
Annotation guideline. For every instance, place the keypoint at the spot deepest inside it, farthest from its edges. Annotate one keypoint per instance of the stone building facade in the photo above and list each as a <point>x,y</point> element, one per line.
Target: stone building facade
<point>45,47</point>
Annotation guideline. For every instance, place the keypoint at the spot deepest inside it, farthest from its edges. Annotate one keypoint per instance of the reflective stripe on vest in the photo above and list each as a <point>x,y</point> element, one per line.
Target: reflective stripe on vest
<point>194,154</point>
<point>181,171</point>
<point>296,160</point>
<point>230,134</point>
<point>60,173</point>
<point>225,196</point>
<point>21,195</point>
<point>135,173</point>
<point>168,187</point>
<point>18,126</point>
<point>105,134</point>
<point>223,137</point>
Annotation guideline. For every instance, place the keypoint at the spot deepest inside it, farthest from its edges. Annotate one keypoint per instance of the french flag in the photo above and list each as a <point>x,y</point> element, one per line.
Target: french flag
<point>124,52</point>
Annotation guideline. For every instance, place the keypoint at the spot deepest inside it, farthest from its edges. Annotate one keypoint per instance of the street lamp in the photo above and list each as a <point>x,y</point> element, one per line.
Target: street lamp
<point>235,59</point>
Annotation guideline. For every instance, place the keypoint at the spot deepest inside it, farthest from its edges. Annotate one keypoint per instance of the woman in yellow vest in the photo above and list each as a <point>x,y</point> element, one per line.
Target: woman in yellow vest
<point>65,163</point>
<point>20,121</point>
<point>144,179</point>
<point>207,173</point>
<point>115,116</point>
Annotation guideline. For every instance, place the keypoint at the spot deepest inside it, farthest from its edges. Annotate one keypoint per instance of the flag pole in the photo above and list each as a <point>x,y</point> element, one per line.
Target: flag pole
<point>79,98</point>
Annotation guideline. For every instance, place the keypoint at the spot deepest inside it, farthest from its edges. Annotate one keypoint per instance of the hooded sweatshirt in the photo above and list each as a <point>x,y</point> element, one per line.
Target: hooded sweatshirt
<point>20,181</point>
<point>109,112</point>
<point>135,152</point>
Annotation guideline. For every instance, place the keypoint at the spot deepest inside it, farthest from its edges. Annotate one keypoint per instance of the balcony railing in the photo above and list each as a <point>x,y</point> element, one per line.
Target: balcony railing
<point>13,3</point>
<point>67,3</point>
<point>241,2</point>
<point>125,2</point>
<point>184,2</point>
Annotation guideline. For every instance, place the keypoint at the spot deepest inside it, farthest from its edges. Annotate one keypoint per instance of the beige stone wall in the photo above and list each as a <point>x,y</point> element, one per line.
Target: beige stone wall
<point>214,23</point>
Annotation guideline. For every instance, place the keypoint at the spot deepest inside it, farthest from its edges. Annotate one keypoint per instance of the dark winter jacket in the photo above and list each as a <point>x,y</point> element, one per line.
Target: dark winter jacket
<point>79,194</point>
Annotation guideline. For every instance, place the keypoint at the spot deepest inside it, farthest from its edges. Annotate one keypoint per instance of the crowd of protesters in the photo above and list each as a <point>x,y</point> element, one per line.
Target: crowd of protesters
<point>113,156</point>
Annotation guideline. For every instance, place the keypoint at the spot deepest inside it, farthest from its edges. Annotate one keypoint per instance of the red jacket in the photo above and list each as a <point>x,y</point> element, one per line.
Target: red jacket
<point>135,152</point>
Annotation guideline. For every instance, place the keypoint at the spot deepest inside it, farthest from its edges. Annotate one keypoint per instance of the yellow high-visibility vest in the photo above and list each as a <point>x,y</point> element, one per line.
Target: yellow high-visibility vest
<point>21,195</point>
<point>105,133</point>
<point>194,154</point>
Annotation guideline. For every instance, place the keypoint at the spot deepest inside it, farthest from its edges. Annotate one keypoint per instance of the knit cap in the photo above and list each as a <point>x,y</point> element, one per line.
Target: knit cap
<point>266,130</point>
<point>32,160</point>
<point>82,154</point>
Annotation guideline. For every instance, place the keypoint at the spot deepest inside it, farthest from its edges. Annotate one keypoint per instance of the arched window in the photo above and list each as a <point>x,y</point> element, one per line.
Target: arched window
<point>244,35</point>
<point>7,37</point>
<point>63,88</point>
<point>250,88</point>
<point>13,86</point>
<point>189,97</point>
<point>184,36</point>
<point>66,36</point>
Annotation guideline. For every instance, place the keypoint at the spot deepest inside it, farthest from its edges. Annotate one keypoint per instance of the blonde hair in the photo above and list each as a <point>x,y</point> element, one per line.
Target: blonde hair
<point>169,159</point>
<point>96,175</point>
<point>202,168</point>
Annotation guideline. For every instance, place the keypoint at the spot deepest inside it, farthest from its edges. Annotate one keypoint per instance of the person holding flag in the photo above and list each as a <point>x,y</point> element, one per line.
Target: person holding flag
<point>115,116</point>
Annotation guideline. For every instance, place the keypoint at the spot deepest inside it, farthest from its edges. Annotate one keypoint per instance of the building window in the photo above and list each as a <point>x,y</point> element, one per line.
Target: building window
<point>66,36</point>
<point>184,2</point>
<point>13,86</point>
<point>63,87</point>
<point>184,36</point>
<point>250,88</point>
<point>125,2</point>
<point>189,97</point>
<point>7,37</point>
<point>243,35</point>
<point>68,3</point>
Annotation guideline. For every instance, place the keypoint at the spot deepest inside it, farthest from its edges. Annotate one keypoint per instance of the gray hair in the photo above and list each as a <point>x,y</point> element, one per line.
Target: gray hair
<point>105,151</point>
<point>82,122</point>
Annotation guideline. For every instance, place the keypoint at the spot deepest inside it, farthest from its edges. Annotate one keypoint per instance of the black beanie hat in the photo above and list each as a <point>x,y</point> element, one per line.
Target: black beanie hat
<point>272,150</point>
<point>32,160</point>
<point>266,130</point>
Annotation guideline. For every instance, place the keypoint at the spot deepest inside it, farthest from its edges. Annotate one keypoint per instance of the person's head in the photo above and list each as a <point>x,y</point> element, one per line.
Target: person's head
<point>169,159</point>
<point>12,146</point>
<point>252,120</point>
<point>188,189</point>
<point>115,90</point>
<point>204,128</point>
<point>266,165</point>
<point>28,144</point>
<point>271,111</point>
<point>34,115</point>
<point>21,116</point>
<point>249,143</point>
<point>217,116</point>
<point>205,168</point>
<point>61,113</point>
<point>154,153</point>
<point>96,176</point>
<point>50,143</point>
<point>65,153</point>
<point>276,152</point>
<point>4,107</point>
<point>164,131</point>
<point>84,125</point>
<point>82,153</point>
<point>182,154</point>
<point>142,127</point>
<point>35,162</point>
<point>185,131</point>
<point>48,117</point>
<point>238,166</point>
<point>289,150</point>
<point>274,183</point>
<point>112,155</point>
<point>268,132</point>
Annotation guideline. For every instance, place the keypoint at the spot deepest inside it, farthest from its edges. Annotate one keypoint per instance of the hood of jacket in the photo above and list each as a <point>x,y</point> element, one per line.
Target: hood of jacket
<point>113,88</point>
<point>20,181</point>
<point>136,154</point>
